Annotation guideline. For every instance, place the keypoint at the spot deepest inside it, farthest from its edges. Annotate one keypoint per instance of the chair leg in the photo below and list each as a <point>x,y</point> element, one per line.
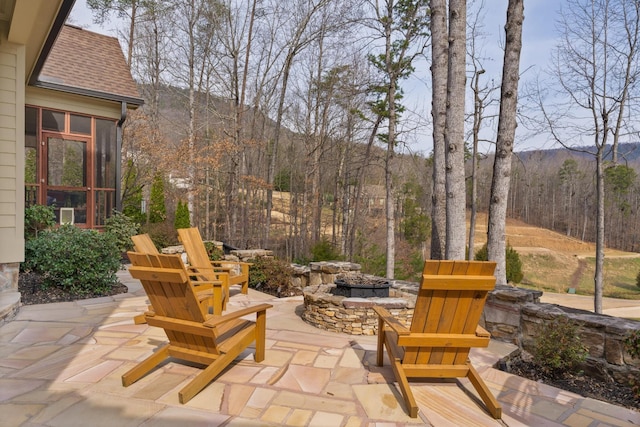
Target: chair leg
<point>139,319</point>
<point>213,370</point>
<point>380,348</point>
<point>261,326</point>
<point>494,407</point>
<point>145,366</point>
<point>403,383</point>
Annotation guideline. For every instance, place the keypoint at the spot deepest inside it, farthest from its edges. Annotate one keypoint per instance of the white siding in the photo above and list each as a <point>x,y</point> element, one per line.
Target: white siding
<point>12,77</point>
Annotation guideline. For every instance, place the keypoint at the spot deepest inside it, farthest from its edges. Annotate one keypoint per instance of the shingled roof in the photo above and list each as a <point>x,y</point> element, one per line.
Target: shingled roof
<point>90,64</point>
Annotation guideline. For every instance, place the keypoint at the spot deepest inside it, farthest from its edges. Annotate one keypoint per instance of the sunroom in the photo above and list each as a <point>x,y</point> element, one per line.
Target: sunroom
<point>74,111</point>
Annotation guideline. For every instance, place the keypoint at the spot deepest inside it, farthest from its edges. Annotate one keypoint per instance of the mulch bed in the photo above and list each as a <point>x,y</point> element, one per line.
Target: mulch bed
<point>29,285</point>
<point>584,385</point>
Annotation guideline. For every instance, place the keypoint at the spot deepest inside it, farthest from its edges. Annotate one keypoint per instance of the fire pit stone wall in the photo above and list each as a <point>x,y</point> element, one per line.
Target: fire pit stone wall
<point>354,316</point>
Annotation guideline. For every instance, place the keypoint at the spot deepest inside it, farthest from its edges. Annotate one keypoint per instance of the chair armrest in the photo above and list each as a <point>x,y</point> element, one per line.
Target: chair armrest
<point>202,272</point>
<point>217,320</point>
<point>199,282</point>
<point>482,332</point>
<point>393,323</point>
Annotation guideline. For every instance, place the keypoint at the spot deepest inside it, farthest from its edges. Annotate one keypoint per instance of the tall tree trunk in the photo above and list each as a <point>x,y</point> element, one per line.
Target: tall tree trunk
<point>454,131</point>
<point>439,53</point>
<point>496,232</point>
<point>477,120</point>
<point>598,278</point>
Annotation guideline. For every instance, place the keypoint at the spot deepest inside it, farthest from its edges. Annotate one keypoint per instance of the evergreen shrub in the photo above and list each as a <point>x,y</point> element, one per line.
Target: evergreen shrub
<point>182,216</point>
<point>81,261</point>
<point>122,228</point>
<point>514,264</point>
<point>36,219</point>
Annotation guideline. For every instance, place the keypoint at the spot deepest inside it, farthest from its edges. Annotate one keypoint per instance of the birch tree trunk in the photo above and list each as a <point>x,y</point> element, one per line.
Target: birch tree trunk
<point>439,53</point>
<point>454,131</point>
<point>496,233</point>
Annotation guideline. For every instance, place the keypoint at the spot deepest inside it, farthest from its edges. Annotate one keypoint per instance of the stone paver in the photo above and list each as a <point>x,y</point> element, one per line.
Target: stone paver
<point>61,365</point>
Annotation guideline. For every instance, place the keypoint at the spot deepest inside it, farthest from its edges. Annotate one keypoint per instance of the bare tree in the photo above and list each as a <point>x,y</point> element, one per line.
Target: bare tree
<point>130,9</point>
<point>454,131</point>
<point>402,25</point>
<point>496,233</point>
<point>439,55</point>
<point>596,70</point>
<point>301,34</point>
<point>482,99</point>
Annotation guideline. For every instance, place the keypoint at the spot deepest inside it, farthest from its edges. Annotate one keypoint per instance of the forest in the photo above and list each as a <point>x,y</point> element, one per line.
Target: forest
<point>284,124</point>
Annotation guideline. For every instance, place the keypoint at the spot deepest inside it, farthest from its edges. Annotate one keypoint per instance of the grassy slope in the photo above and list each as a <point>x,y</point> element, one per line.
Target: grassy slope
<point>555,262</point>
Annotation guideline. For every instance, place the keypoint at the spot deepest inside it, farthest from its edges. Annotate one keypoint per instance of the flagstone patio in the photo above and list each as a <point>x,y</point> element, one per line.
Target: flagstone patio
<point>60,365</point>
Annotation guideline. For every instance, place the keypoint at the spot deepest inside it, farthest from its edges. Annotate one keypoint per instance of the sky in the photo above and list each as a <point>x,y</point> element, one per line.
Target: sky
<point>538,40</point>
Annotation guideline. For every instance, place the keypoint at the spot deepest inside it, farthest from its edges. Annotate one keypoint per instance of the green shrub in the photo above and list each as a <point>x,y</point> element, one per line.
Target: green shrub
<point>83,262</point>
<point>632,346</point>
<point>157,208</point>
<point>36,219</point>
<point>324,250</point>
<point>272,276</point>
<point>182,216</point>
<point>373,262</point>
<point>514,264</point>
<point>558,347</point>
<point>214,252</point>
<point>638,280</point>
<point>122,228</point>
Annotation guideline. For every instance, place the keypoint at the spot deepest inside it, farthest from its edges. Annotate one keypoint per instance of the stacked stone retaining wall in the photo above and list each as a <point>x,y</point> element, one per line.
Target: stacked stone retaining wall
<point>517,315</point>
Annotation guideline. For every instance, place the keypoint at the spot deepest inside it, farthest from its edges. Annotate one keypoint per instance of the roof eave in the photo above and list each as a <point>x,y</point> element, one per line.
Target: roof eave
<point>132,101</point>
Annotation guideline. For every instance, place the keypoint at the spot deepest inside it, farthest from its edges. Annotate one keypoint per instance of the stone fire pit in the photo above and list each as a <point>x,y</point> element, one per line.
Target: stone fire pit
<point>361,285</point>
<point>354,315</point>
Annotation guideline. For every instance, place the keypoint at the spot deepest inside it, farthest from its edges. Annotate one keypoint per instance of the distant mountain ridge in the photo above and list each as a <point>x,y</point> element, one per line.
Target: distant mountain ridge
<point>627,152</point>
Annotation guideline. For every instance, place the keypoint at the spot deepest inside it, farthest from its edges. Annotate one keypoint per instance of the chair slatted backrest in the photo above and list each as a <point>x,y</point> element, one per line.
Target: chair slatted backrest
<point>450,301</point>
<point>143,243</point>
<point>166,283</point>
<point>194,246</point>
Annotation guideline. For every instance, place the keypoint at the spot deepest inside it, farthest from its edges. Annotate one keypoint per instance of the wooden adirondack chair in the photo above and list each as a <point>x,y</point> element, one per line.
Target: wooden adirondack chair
<point>143,243</point>
<point>194,335</point>
<point>210,295</point>
<point>443,329</point>
<point>232,273</point>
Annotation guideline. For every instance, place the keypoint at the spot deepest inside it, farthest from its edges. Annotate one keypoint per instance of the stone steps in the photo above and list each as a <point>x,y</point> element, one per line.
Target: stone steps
<point>9,304</point>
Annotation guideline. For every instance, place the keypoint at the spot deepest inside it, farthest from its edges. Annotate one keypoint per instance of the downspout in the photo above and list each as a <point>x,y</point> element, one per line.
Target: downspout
<point>123,117</point>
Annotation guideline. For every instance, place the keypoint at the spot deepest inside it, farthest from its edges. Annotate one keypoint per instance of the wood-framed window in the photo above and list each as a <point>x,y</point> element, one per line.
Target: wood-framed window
<point>70,164</point>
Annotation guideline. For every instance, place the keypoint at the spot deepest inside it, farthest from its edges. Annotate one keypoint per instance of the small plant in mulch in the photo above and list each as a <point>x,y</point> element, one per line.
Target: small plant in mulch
<point>556,360</point>
<point>632,346</point>
<point>559,348</point>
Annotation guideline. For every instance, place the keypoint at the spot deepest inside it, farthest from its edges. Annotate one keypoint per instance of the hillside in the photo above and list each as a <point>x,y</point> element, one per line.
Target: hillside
<point>554,262</point>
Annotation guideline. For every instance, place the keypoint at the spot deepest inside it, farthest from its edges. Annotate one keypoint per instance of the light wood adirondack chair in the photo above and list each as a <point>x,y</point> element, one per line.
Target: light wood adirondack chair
<point>194,335</point>
<point>210,295</point>
<point>143,243</point>
<point>443,329</point>
<point>233,273</point>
